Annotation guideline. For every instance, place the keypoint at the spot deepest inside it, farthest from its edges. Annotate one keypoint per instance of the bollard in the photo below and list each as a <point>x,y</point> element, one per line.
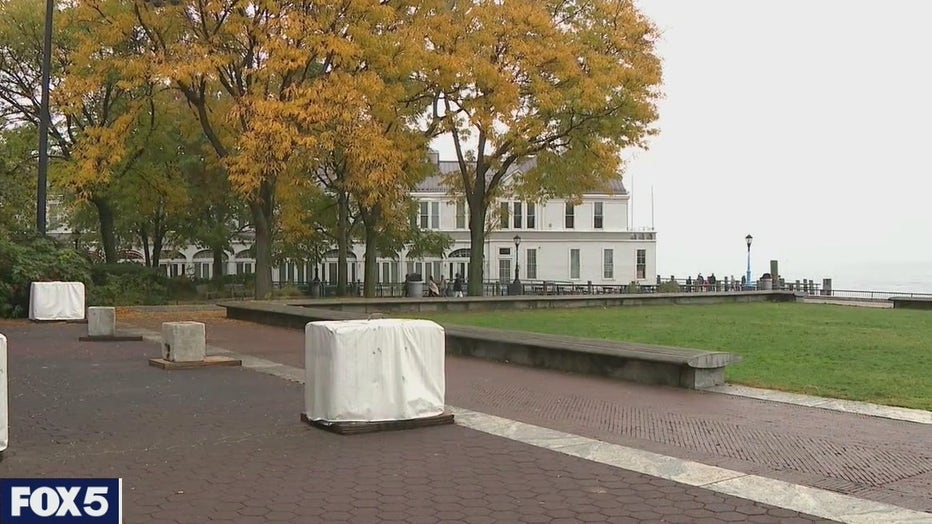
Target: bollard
<point>184,346</point>
<point>101,326</point>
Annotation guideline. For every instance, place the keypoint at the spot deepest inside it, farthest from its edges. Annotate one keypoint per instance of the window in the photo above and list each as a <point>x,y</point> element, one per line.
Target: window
<point>597,216</point>
<point>244,268</point>
<point>570,220</point>
<point>460,214</point>
<point>504,270</point>
<point>424,215</point>
<point>503,219</point>
<point>574,263</point>
<point>389,272</point>
<point>642,263</point>
<point>504,251</point>
<point>531,270</point>
<point>608,263</point>
<point>517,215</point>
<point>531,218</point>
<point>415,268</point>
<point>428,215</point>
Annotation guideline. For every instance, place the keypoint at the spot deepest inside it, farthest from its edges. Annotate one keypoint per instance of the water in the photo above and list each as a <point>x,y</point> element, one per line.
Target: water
<point>914,277</point>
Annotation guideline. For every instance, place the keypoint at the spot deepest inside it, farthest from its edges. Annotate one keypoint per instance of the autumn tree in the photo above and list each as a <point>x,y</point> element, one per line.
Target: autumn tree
<point>18,173</point>
<point>570,84</point>
<point>91,109</point>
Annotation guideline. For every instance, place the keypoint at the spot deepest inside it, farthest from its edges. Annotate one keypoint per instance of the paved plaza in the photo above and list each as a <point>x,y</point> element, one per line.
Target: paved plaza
<point>226,444</point>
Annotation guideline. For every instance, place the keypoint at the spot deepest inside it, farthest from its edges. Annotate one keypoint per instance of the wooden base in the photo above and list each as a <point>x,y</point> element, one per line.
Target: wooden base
<point>114,338</point>
<point>353,428</point>
<point>211,361</point>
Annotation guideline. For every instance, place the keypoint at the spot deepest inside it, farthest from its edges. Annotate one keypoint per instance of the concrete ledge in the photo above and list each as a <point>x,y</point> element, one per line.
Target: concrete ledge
<point>679,367</point>
<point>210,361</point>
<point>355,428</point>
<point>409,305</point>
<point>911,302</point>
<point>109,338</point>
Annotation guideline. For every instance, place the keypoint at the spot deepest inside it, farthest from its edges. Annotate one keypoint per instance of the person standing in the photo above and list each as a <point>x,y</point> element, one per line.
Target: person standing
<point>458,286</point>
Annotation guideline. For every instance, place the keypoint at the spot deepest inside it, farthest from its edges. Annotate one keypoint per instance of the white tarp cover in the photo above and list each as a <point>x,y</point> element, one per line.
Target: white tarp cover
<point>56,301</point>
<point>373,370</point>
<point>4,398</point>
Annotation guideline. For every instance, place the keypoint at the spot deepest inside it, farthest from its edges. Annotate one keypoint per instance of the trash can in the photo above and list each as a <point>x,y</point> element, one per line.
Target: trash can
<point>414,286</point>
<point>766,282</point>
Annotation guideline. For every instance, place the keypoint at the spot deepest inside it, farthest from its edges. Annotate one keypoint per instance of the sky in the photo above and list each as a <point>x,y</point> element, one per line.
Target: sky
<point>807,124</point>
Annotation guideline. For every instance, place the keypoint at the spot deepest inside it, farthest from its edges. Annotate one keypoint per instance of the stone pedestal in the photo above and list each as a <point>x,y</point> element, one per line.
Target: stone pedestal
<point>183,341</point>
<point>101,326</point>
<point>184,346</point>
<point>101,322</point>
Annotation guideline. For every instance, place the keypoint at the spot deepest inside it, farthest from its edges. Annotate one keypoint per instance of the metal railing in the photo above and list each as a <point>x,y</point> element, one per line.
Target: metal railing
<point>870,295</point>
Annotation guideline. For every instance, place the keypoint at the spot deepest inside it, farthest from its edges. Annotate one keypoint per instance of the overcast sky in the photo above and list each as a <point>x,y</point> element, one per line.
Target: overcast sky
<point>805,123</point>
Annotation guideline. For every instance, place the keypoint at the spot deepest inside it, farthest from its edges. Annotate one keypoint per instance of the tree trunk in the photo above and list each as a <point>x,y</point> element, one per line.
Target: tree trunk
<point>107,234</point>
<point>342,242</point>
<point>158,241</point>
<point>261,208</point>
<point>476,250</point>
<point>218,266</point>
<point>371,275</point>
<point>144,240</point>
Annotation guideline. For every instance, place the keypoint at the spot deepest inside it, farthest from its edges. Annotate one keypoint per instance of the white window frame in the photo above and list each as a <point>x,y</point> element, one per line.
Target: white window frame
<point>640,264</point>
<point>530,267</point>
<point>569,216</point>
<point>598,215</point>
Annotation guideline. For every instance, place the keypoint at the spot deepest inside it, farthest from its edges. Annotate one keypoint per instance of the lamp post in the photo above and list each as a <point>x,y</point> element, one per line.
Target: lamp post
<point>44,122</point>
<point>516,285</point>
<point>747,283</point>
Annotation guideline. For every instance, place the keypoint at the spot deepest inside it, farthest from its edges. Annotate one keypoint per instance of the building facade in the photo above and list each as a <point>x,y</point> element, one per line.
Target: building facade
<point>589,241</point>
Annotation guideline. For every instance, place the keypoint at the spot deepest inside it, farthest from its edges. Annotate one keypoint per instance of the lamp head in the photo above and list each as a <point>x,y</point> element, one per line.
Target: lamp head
<point>749,238</point>
<point>517,240</point>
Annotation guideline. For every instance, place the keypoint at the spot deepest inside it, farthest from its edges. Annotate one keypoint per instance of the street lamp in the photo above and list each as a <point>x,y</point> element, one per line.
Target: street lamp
<point>516,285</point>
<point>44,121</point>
<point>747,283</point>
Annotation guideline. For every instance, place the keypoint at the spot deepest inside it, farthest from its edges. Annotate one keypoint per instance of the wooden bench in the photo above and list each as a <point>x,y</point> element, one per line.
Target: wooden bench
<point>229,291</point>
<point>671,366</point>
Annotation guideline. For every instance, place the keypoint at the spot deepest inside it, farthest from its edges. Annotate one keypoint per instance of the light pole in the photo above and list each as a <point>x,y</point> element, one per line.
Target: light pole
<point>516,285</point>
<point>747,283</point>
<point>44,121</point>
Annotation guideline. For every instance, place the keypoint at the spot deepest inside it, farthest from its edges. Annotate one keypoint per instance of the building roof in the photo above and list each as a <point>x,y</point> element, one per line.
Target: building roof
<point>434,183</point>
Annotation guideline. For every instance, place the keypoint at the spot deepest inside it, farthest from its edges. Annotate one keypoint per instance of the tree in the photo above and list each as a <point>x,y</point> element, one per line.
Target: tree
<point>18,190</point>
<point>569,84</point>
<point>90,108</point>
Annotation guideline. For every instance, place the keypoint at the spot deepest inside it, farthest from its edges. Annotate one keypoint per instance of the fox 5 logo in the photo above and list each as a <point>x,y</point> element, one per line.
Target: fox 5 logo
<point>61,501</point>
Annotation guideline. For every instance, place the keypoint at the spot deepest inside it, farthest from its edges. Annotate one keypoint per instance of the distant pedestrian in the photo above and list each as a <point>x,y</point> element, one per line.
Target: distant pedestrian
<point>443,286</point>
<point>458,286</point>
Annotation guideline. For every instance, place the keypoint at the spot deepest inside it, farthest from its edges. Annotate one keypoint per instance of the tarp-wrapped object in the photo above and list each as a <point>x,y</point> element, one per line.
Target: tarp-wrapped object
<point>56,301</point>
<point>4,397</point>
<point>373,370</point>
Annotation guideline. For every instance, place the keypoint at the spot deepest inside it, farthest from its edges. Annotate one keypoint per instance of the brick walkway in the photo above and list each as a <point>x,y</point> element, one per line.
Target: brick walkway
<point>878,459</point>
<point>225,445</point>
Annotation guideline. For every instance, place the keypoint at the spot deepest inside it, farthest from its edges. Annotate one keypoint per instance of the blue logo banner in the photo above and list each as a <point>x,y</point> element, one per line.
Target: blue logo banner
<point>61,501</point>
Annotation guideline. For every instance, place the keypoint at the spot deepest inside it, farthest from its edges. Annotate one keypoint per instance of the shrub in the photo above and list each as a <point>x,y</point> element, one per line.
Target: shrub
<point>35,260</point>
<point>127,285</point>
<point>669,287</point>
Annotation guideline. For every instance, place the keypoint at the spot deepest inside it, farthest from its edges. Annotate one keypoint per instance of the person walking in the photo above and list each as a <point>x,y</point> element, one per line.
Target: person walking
<point>458,286</point>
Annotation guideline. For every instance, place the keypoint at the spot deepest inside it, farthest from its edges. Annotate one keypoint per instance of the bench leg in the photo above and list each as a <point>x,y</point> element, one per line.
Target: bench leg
<point>701,378</point>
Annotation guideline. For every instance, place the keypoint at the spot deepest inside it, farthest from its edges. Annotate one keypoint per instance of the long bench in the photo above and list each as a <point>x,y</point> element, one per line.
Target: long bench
<point>911,302</point>
<point>671,366</point>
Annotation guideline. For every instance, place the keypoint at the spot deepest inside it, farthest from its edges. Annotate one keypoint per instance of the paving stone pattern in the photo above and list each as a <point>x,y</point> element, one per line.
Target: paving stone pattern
<point>225,445</point>
<point>878,459</point>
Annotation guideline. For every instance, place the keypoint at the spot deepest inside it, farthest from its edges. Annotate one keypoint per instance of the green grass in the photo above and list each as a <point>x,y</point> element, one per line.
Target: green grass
<point>874,355</point>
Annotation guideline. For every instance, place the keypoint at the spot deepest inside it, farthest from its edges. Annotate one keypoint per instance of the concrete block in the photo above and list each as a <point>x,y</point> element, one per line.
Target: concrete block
<point>183,341</point>
<point>101,322</point>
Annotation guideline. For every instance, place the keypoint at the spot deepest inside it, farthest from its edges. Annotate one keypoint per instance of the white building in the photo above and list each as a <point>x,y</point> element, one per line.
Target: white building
<point>591,241</point>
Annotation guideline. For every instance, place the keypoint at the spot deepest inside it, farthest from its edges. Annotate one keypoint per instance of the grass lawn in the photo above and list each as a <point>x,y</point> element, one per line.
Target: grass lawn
<point>875,355</point>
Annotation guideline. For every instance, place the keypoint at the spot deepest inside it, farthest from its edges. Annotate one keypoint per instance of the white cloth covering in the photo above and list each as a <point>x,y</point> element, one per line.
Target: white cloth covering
<point>56,301</point>
<point>373,370</point>
<point>4,398</point>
